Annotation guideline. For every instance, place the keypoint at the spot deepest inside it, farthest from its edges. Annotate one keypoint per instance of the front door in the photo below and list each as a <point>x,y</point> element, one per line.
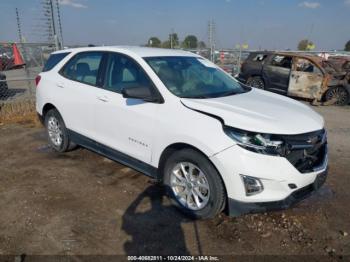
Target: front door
<point>276,73</point>
<point>126,125</point>
<point>305,80</point>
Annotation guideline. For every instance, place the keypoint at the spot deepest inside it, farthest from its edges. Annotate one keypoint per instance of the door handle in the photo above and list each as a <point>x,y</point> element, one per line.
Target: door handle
<point>103,98</point>
<point>60,85</point>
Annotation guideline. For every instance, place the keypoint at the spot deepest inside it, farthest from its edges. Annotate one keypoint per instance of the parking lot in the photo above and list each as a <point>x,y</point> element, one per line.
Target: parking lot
<point>81,203</point>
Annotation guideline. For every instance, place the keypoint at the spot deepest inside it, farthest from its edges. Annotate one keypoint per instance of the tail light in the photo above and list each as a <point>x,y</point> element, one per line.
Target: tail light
<point>37,80</point>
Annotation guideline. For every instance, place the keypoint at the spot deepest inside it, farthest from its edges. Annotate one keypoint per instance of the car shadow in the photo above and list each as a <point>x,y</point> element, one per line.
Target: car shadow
<point>154,227</point>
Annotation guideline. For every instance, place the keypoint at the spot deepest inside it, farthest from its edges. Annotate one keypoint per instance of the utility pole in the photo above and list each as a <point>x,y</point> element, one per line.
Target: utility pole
<point>211,30</point>
<point>57,45</point>
<point>19,27</point>
<point>59,21</point>
<point>171,39</point>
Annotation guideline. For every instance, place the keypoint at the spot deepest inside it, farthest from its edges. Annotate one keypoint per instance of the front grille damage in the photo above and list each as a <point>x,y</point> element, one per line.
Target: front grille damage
<point>307,151</point>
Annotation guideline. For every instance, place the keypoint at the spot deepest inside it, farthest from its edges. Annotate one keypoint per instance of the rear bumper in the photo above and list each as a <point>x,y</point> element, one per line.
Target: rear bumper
<point>237,208</point>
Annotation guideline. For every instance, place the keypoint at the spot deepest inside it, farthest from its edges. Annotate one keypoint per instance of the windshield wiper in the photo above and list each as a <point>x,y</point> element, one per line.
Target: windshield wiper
<point>197,97</point>
<point>228,93</point>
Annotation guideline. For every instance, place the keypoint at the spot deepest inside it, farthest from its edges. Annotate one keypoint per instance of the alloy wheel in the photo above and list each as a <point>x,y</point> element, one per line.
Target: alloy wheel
<point>190,185</point>
<point>55,131</point>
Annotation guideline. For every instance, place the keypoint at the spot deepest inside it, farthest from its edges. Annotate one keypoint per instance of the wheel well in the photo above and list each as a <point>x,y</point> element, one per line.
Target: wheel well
<point>179,146</point>
<point>47,108</point>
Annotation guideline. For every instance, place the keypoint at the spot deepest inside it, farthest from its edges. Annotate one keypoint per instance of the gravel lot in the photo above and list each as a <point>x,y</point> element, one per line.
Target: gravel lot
<point>81,203</point>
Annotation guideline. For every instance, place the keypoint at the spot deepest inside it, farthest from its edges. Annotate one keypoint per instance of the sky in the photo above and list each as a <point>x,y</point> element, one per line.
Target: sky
<point>262,24</point>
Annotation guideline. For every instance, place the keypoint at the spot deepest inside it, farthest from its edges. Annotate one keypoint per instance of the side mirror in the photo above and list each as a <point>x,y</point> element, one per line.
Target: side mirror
<point>140,92</point>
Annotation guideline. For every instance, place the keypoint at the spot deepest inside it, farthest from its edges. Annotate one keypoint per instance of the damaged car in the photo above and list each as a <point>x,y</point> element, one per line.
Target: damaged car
<point>215,143</point>
<point>299,75</point>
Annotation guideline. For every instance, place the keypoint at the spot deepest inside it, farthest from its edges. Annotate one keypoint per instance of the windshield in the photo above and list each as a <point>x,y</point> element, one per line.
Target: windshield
<point>192,77</point>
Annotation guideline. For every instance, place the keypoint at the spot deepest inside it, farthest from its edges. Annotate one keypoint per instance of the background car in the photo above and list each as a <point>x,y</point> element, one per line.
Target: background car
<point>297,75</point>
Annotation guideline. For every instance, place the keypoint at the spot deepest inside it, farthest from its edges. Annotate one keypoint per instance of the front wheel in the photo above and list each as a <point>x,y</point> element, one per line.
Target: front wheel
<point>194,185</point>
<point>256,82</point>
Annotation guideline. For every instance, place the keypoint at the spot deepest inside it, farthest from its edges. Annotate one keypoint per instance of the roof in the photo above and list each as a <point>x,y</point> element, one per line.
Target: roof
<point>137,50</point>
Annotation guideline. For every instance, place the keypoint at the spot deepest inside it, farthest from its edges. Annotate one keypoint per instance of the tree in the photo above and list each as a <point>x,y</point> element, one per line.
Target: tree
<point>190,42</point>
<point>347,46</point>
<point>172,42</point>
<point>154,42</point>
<point>166,44</point>
<point>306,45</point>
<point>202,45</point>
<point>174,39</point>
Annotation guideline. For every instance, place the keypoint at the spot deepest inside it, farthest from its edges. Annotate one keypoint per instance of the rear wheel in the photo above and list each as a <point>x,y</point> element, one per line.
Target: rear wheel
<point>194,185</point>
<point>339,94</point>
<point>256,82</point>
<point>57,133</point>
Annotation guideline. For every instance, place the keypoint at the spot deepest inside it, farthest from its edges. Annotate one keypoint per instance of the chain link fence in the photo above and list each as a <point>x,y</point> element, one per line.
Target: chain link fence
<point>17,82</point>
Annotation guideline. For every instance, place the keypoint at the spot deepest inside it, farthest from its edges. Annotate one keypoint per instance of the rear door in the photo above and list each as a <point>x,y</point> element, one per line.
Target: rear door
<point>78,83</point>
<point>276,73</point>
<point>126,125</point>
<point>305,80</point>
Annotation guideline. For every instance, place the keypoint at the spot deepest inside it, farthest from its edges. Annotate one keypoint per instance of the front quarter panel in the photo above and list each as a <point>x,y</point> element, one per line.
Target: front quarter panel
<point>179,124</point>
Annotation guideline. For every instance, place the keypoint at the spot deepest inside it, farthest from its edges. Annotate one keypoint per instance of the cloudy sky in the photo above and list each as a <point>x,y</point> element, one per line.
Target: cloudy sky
<point>277,24</point>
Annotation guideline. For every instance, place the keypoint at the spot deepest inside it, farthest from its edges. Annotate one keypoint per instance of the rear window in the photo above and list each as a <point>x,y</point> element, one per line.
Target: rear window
<point>53,60</point>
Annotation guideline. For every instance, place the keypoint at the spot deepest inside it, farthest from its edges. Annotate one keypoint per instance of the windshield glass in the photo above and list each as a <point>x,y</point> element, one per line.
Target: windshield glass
<point>193,77</point>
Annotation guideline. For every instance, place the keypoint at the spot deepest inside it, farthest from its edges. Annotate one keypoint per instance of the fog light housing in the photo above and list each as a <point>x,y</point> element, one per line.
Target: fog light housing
<point>252,185</point>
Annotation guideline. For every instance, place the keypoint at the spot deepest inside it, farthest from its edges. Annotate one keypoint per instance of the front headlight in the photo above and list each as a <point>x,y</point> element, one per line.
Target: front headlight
<point>256,142</point>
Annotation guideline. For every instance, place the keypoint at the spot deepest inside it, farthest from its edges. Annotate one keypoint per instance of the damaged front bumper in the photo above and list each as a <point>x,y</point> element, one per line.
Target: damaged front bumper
<point>237,208</point>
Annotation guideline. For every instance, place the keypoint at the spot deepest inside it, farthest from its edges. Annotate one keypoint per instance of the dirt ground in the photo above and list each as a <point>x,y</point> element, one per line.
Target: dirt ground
<point>81,203</point>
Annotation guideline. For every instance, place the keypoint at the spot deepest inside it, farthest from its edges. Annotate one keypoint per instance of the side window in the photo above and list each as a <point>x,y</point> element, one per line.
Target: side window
<point>259,57</point>
<point>304,65</point>
<point>83,67</point>
<point>123,72</point>
<point>53,60</point>
<point>282,61</point>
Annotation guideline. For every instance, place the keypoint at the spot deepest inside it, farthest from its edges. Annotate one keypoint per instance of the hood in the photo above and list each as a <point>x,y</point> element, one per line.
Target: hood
<point>260,111</point>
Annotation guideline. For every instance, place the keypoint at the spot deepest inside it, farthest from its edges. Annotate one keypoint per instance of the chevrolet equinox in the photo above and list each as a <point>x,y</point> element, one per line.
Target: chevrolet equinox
<point>215,143</point>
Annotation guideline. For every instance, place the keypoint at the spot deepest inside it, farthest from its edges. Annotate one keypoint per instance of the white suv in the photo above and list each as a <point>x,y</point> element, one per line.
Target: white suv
<point>215,143</point>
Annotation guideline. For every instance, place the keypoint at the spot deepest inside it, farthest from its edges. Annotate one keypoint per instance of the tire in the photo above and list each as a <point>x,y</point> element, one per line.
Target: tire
<point>340,94</point>
<point>57,133</point>
<point>210,191</point>
<point>256,82</point>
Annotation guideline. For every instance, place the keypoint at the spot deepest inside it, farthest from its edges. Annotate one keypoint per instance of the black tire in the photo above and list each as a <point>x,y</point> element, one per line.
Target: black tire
<point>65,145</point>
<point>217,196</point>
<point>256,82</point>
<point>339,94</point>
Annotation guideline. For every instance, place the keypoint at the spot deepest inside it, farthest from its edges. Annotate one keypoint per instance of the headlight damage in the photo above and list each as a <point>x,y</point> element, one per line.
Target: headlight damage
<point>260,143</point>
<point>306,152</point>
